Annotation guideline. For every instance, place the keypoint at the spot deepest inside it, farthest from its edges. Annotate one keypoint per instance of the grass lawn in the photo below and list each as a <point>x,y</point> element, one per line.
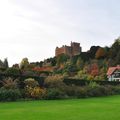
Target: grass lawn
<point>103,108</point>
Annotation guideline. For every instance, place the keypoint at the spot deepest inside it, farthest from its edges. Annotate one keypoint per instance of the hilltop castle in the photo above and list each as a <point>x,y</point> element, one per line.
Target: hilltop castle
<point>72,50</point>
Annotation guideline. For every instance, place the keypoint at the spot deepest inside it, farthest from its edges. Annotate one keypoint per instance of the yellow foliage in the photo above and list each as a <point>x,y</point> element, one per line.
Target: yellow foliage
<point>100,53</point>
<point>36,92</point>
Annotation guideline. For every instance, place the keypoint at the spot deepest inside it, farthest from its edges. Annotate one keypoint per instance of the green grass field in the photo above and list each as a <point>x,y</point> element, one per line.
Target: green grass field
<point>104,108</point>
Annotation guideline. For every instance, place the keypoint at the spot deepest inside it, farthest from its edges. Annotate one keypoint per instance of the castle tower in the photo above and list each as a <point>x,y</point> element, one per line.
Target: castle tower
<point>72,50</point>
<point>76,49</point>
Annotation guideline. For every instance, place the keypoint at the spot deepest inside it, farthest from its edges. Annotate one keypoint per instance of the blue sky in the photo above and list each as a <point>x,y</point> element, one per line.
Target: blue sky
<point>33,28</point>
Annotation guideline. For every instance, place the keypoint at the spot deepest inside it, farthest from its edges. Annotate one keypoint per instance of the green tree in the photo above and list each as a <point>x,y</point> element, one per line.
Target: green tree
<point>114,53</point>
<point>117,59</point>
<point>1,64</point>
<point>79,63</point>
<point>115,48</point>
<point>13,71</point>
<point>62,59</point>
<point>5,63</point>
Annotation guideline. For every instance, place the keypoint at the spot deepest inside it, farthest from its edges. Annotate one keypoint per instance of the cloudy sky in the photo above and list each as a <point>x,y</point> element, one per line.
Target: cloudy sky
<point>33,28</point>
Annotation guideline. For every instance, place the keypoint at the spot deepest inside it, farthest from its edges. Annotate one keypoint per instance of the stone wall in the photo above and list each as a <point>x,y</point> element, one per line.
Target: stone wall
<point>72,50</point>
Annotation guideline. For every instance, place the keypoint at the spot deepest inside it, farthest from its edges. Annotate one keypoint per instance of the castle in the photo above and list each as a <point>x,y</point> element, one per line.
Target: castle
<point>72,50</point>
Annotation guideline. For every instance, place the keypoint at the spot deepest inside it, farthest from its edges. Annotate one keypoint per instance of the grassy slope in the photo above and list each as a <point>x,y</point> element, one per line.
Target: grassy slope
<point>106,108</point>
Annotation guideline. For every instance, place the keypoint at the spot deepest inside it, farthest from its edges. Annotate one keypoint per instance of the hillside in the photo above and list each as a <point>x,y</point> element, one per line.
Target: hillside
<point>92,64</point>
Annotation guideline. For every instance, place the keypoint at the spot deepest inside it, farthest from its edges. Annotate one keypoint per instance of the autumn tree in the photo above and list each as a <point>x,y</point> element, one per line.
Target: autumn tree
<point>100,53</point>
<point>24,63</point>
<point>94,69</point>
<point>93,51</point>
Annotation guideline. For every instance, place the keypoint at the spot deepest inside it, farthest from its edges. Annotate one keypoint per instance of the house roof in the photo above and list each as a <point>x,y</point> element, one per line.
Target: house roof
<point>112,69</point>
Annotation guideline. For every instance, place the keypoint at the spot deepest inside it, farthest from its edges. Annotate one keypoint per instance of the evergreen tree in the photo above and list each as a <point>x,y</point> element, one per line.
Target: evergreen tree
<point>1,64</point>
<point>5,63</point>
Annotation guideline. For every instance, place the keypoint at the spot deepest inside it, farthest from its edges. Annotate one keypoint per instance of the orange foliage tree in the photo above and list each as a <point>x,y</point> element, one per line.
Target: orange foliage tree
<point>100,53</point>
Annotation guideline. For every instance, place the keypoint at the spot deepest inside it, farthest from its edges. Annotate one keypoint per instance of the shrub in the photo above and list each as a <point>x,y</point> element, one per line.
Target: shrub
<point>81,92</point>
<point>109,90</point>
<point>100,90</point>
<point>55,82</point>
<point>96,91</point>
<point>35,93</point>
<point>9,94</point>
<point>55,93</point>
<point>38,93</point>
<point>30,82</point>
<point>9,83</point>
<point>53,78</point>
<point>32,89</point>
<point>71,90</point>
<point>116,89</point>
<point>90,90</point>
<point>12,71</point>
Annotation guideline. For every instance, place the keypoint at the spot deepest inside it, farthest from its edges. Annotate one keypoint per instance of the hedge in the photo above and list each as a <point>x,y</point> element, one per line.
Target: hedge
<point>80,82</point>
<point>22,78</point>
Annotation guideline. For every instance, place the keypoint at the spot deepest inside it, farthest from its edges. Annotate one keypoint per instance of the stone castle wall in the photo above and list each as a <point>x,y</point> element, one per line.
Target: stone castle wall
<point>72,50</point>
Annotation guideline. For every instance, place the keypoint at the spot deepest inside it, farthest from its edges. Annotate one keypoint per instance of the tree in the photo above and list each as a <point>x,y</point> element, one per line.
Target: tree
<point>69,67</point>
<point>92,51</point>
<point>9,83</point>
<point>1,64</point>
<point>13,71</point>
<point>117,59</point>
<point>53,61</point>
<point>79,63</point>
<point>24,63</point>
<point>94,69</point>
<point>5,63</point>
<point>114,53</point>
<point>100,53</point>
<point>62,59</point>
<point>115,48</point>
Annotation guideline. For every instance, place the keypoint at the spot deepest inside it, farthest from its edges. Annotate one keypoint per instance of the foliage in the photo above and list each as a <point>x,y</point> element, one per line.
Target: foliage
<point>13,71</point>
<point>29,73</point>
<point>88,66</point>
<point>9,83</point>
<point>30,82</point>
<point>69,68</point>
<point>5,63</point>
<point>55,93</point>
<point>32,89</point>
<point>100,53</point>
<point>79,63</point>
<point>24,63</point>
<point>83,82</point>
<point>114,54</point>
<point>62,59</point>
<point>54,81</point>
<point>1,64</point>
<point>9,94</point>
<point>35,92</point>
<point>93,51</point>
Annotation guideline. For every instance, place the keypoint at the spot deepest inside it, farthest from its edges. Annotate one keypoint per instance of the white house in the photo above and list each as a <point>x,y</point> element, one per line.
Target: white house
<point>113,73</point>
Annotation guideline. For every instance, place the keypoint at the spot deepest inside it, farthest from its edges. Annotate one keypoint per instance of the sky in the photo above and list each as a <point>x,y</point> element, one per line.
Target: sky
<point>33,28</point>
